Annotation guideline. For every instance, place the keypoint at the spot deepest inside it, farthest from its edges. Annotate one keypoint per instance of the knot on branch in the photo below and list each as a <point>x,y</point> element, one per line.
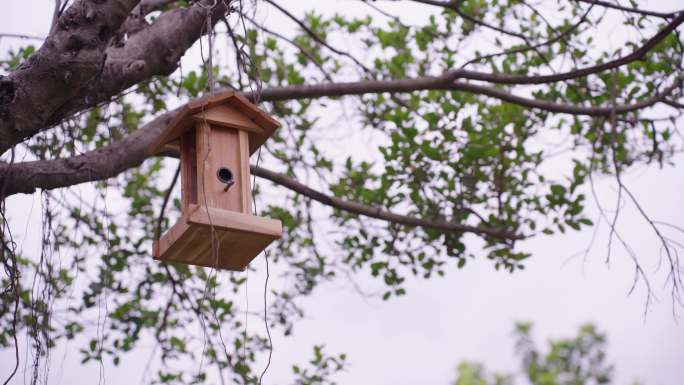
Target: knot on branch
<point>89,13</point>
<point>135,66</point>
<point>7,91</point>
<point>70,18</point>
<point>104,33</point>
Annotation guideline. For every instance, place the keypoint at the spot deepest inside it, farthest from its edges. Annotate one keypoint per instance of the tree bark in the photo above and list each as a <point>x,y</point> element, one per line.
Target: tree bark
<point>41,90</point>
<point>84,63</point>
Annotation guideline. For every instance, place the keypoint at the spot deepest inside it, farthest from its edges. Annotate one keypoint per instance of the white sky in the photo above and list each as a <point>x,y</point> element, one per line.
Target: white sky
<point>469,314</point>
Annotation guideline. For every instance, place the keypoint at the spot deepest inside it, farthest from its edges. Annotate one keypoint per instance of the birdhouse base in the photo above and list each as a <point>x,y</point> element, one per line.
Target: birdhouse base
<point>237,238</point>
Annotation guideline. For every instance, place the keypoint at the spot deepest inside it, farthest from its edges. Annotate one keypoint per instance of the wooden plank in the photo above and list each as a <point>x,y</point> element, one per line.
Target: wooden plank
<point>254,112</point>
<point>239,239</point>
<point>181,242</point>
<point>227,116</point>
<point>188,159</point>
<point>203,254</point>
<point>208,101</point>
<point>181,123</point>
<point>202,131</point>
<point>184,120</point>
<point>234,221</point>
<point>218,147</point>
<point>173,146</point>
<point>235,250</point>
<point>264,120</point>
<point>245,182</point>
<point>189,244</point>
<point>220,250</point>
<point>170,237</point>
<point>225,144</point>
<point>176,127</point>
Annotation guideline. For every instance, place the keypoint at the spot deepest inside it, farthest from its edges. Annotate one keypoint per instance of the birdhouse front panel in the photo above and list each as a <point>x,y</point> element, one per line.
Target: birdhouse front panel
<point>222,168</point>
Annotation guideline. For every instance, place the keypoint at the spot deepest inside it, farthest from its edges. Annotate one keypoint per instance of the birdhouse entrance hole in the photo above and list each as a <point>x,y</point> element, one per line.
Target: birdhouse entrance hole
<point>215,138</point>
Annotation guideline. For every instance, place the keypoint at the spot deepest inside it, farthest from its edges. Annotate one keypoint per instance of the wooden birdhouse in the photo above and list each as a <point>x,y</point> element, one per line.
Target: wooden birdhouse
<point>215,137</point>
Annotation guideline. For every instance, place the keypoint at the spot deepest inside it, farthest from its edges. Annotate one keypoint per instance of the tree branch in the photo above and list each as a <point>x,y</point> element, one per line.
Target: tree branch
<point>376,212</point>
<point>455,6</point>
<point>33,97</point>
<point>99,164</point>
<point>21,36</point>
<point>105,163</point>
<point>156,50</point>
<point>637,54</point>
<point>77,67</point>
<point>317,38</point>
<point>628,9</point>
<point>559,36</point>
<point>136,19</point>
<point>299,47</point>
<point>445,82</point>
<point>132,150</point>
<point>69,59</point>
<point>566,108</point>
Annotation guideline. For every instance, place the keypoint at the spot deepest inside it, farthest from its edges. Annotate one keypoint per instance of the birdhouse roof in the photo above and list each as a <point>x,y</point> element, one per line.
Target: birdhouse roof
<point>226,109</point>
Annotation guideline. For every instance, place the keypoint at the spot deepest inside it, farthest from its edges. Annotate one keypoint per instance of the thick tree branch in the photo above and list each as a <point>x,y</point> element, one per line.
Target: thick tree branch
<point>78,68</point>
<point>445,82</point>
<point>71,57</point>
<point>156,50</point>
<point>33,98</point>
<point>55,16</point>
<point>100,164</point>
<point>567,108</point>
<point>136,19</point>
<point>107,162</point>
<point>376,212</point>
<point>129,152</point>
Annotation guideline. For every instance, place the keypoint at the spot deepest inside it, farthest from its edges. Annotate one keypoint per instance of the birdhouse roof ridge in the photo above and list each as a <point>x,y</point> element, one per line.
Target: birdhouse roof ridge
<point>185,119</point>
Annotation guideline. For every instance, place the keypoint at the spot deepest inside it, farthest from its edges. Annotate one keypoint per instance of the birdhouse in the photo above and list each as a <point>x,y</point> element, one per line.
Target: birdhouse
<point>215,138</point>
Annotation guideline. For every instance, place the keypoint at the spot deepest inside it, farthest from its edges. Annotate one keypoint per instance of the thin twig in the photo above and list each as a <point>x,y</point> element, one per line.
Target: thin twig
<point>166,201</point>
<point>317,38</point>
<point>642,12</point>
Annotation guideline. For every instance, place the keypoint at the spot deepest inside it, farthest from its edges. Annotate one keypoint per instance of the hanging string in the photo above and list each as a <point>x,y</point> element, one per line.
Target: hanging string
<point>255,82</point>
<point>209,67</point>
<point>254,78</point>
<point>11,267</point>
<point>268,330</point>
<point>106,280</point>
<point>255,86</point>
<point>210,33</point>
<point>239,52</point>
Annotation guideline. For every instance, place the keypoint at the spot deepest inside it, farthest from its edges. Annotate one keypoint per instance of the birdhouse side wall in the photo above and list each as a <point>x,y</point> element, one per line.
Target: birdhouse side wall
<point>188,159</point>
<point>221,147</point>
<point>246,181</point>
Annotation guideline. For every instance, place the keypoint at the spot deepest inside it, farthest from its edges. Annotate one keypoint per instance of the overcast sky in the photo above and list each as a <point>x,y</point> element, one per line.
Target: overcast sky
<point>469,314</point>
